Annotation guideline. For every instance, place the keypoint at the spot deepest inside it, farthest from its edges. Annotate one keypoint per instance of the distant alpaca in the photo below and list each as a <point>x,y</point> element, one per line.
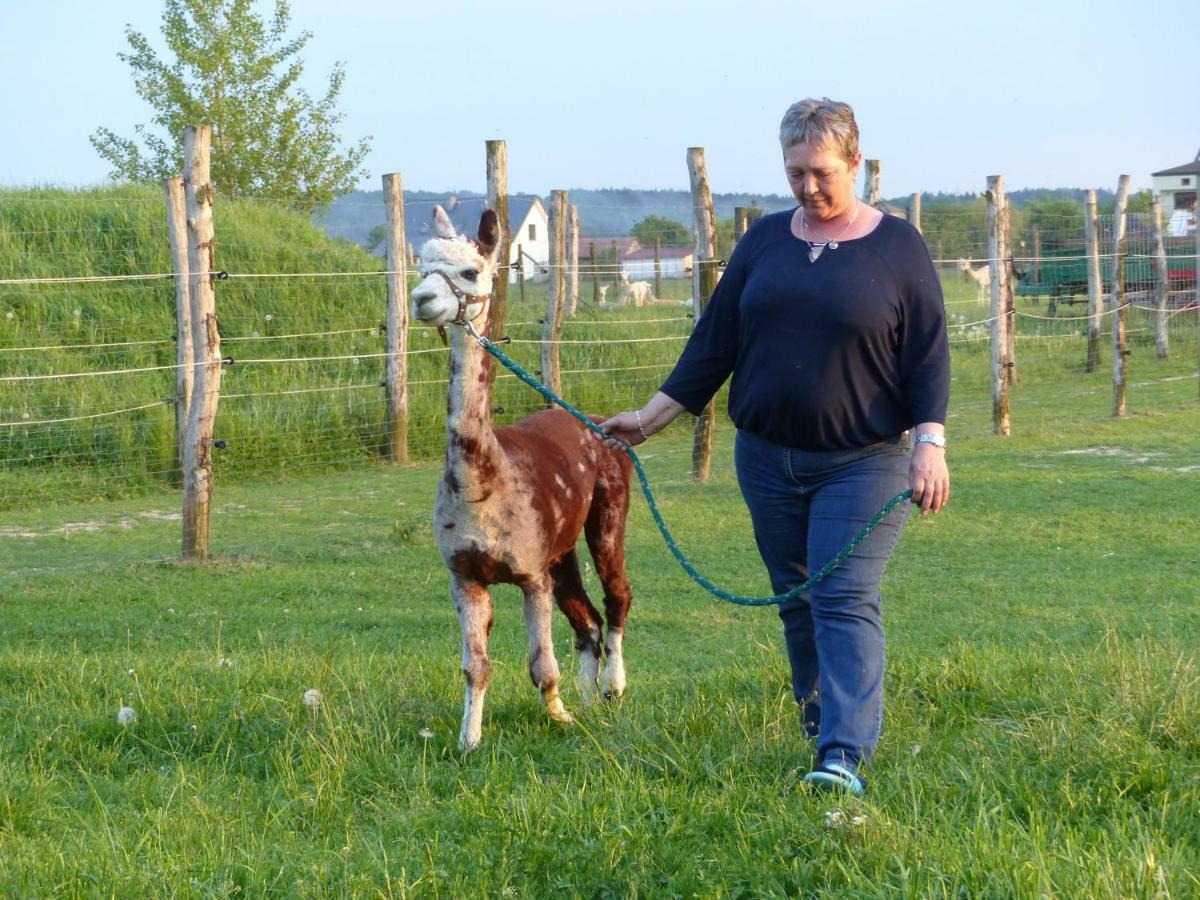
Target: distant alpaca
<point>604,295</point>
<point>981,276</point>
<point>640,291</point>
<point>513,501</point>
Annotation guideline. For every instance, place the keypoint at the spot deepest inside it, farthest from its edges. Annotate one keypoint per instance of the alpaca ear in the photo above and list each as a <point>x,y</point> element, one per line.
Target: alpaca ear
<point>489,232</point>
<point>442,225</point>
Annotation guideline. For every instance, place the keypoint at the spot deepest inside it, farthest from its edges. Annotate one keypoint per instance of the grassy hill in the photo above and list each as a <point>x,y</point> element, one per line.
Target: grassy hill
<point>304,392</point>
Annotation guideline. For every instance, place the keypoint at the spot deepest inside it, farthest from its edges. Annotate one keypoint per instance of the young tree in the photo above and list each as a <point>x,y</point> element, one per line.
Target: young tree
<point>240,74</point>
<point>670,232</point>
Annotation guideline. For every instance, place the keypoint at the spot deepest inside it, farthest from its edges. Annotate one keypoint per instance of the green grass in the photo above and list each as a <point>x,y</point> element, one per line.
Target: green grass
<point>1039,735</point>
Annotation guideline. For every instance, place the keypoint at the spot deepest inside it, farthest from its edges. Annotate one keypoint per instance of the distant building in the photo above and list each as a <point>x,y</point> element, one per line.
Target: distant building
<point>604,244</point>
<point>676,262</point>
<point>527,219</point>
<point>1175,189</point>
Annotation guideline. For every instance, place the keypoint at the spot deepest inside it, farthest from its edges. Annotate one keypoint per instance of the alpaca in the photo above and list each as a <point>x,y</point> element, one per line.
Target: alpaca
<point>604,295</point>
<point>513,501</point>
<point>640,291</point>
<point>981,276</point>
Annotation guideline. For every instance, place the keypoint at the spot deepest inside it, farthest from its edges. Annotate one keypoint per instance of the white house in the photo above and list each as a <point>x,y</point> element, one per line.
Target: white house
<point>1175,189</point>
<point>526,215</point>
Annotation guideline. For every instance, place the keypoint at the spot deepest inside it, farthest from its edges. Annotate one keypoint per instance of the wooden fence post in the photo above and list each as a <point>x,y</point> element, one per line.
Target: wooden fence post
<point>1037,254</point>
<point>998,253</point>
<point>1120,361</point>
<point>1162,281</point>
<point>520,273</point>
<point>497,191</point>
<point>616,272</point>
<point>573,252</point>
<point>914,211</point>
<point>1091,233</point>
<point>658,275</point>
<point>1196,282</point>
<point>206,340</point>
<point>595,273</point>
<point>704,282</point>
<point>1010,303</point>
<point>741,222</point>
<point>871,182</point>
<point>553,323</point>
<point>395,434</point>
<point>177,236</point>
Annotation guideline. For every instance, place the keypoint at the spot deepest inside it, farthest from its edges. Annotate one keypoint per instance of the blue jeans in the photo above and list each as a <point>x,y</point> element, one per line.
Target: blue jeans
<point>805,507</point>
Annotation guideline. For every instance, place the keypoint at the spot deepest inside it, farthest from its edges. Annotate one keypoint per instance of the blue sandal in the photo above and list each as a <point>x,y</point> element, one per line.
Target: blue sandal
<point>836,777</point>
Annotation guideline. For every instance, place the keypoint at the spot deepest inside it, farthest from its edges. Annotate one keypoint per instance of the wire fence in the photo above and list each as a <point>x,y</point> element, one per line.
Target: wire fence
<point>87,351</point>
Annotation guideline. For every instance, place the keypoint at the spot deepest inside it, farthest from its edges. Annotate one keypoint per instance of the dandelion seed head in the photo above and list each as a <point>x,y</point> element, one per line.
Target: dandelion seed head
<point>132,673</point>
<point>425,733</point>
<point>126,715</point>
<point>312,698</point>
<point>268,317</point>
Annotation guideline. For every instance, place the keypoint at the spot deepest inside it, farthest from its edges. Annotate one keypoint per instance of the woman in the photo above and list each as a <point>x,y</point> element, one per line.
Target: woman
<point>830,320</point>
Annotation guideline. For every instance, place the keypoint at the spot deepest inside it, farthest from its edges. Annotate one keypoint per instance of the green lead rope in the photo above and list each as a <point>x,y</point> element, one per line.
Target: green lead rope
<point>713,589</point>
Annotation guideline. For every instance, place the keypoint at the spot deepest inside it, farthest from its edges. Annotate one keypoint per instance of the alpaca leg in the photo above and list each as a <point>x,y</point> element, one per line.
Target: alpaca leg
<point>543,666</point>
<point>605,532</point>
<point>474,605</point>
<point>585,619</point>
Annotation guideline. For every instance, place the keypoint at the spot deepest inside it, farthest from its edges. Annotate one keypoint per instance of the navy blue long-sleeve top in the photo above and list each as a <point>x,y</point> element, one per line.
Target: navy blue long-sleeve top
<point>835,354</point>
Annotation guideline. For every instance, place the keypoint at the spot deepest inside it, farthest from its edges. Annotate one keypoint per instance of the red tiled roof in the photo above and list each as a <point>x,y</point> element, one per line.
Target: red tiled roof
<point>625,244</point>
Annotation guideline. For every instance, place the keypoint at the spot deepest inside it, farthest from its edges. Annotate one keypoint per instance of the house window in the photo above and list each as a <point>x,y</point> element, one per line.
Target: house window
<point>532,231</point>
<point>1185,181</point>
<point>1185,199</point>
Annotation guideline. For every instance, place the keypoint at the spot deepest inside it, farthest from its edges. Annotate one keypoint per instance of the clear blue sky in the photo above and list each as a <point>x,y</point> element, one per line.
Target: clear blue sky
<point>590,95</point>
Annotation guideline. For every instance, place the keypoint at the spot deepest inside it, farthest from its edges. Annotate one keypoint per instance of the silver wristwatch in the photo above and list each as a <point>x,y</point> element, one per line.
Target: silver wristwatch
<point>926,437</point>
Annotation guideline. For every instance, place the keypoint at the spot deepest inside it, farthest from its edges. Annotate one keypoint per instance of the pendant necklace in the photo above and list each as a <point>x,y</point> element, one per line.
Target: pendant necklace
<point>816,248</point>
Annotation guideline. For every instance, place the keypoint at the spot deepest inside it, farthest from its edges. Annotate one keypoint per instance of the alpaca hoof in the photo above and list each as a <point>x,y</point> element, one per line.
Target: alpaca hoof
<point>557,712</point>
<point>614,694</point>
<point>468,742</point>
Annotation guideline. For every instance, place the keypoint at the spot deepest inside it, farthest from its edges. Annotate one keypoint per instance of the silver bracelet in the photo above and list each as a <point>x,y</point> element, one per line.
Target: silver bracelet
<point>637,414</point>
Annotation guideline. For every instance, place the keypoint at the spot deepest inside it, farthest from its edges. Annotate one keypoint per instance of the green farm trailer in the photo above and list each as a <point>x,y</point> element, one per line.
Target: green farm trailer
<point>1060,273</point>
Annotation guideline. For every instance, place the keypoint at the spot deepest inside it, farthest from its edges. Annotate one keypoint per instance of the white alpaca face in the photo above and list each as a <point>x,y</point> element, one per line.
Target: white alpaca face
<point>469,264</point>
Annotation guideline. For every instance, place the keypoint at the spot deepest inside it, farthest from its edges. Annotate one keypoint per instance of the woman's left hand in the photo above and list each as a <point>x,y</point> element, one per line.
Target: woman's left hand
<point>929,477</point>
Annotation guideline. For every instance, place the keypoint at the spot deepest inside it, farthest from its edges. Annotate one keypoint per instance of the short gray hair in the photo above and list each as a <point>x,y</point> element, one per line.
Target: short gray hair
<point>820,122</point>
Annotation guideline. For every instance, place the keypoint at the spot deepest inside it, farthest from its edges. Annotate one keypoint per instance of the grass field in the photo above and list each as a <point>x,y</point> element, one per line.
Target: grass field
<point>1040,734</point>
